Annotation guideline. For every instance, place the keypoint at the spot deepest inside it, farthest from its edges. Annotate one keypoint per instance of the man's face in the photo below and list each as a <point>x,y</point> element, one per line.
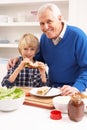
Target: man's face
<point>50,25</point>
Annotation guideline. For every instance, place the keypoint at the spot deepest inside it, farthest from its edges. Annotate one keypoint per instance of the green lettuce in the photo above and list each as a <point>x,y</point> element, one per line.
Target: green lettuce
<point>11,93</point>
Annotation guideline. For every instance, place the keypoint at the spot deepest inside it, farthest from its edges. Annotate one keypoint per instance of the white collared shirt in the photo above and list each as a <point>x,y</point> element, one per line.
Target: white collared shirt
<point>56,41</point>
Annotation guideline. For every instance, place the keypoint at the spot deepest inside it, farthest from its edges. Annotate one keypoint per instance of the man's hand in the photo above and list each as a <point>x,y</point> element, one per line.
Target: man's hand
<point>11,63</point>
<point>68,90</point>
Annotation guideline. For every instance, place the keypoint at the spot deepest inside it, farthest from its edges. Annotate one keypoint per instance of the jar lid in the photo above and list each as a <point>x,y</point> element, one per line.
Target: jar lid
<point>55,115</point>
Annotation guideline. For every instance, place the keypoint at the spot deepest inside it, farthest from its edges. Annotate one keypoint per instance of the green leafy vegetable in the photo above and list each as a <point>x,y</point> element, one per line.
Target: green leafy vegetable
<point>11,93</point>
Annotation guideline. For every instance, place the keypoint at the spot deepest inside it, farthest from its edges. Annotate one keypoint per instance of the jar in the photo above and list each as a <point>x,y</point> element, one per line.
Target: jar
<point>76,108</point>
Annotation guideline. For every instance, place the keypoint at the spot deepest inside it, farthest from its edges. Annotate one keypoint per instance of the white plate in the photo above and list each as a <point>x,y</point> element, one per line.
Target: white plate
<point>53,92</point>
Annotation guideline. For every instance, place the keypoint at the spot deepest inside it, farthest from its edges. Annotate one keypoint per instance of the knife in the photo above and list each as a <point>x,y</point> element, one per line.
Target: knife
<point>48,90</point>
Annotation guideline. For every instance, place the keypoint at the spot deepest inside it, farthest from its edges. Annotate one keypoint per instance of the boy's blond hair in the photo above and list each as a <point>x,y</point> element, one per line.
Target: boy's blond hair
<point>28,40</point>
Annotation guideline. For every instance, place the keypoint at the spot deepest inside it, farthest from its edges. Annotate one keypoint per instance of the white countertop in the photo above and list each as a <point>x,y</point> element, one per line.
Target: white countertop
<point>35,118</point>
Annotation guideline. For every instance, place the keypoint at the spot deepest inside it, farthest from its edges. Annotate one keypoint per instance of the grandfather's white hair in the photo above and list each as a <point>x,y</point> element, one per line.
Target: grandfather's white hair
<point>50,6</point>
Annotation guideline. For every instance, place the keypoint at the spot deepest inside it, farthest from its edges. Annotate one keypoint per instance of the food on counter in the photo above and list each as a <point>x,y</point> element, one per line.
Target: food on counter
<point>43,90</point>
<point>11,93</point>
<point>11,98</point>
<point>76,108</point>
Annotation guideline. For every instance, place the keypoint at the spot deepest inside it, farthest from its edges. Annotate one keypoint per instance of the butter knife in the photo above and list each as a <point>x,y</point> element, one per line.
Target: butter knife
<point>48,90</point>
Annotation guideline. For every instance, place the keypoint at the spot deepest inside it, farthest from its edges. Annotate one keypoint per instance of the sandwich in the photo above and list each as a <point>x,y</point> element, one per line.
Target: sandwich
<point>32,65</point>
<point>42,91</point>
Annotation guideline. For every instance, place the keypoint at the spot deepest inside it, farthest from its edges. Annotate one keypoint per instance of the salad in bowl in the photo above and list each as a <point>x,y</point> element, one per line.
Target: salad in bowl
<point>11,98</point>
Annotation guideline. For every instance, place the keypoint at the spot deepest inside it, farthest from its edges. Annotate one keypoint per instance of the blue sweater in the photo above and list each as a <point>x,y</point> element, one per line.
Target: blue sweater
<point>67,60</point>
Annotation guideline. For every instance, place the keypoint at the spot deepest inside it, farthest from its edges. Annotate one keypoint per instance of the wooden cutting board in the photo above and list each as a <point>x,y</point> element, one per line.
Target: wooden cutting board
<point>37,101</point>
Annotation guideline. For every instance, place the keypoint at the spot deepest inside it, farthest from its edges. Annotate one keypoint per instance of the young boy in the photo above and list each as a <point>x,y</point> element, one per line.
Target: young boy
<point>27,71</point>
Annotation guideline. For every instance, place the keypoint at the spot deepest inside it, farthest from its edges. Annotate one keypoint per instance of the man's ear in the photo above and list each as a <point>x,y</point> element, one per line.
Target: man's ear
<point>60,18</point>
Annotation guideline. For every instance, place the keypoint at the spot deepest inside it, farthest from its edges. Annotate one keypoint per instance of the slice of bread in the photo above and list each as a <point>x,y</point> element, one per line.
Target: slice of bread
<point>32,65</point>
<point>42,90</point>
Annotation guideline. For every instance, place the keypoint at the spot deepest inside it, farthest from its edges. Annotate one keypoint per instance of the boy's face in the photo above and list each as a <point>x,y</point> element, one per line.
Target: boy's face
<point>28,52</point>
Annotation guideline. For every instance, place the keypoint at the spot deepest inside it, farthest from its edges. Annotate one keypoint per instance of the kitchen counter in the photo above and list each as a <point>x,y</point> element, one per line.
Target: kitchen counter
<point>35,118</point>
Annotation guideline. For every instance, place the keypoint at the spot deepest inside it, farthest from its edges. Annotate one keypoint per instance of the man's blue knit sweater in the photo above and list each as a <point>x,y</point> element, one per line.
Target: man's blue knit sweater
<point>67,61</point>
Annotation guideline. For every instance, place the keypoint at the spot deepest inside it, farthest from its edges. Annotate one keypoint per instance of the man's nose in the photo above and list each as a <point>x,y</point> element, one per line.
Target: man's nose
<point>45,26</point>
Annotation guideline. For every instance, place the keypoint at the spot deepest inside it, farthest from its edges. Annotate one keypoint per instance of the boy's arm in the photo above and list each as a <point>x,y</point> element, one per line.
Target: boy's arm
<point>16,72</point>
